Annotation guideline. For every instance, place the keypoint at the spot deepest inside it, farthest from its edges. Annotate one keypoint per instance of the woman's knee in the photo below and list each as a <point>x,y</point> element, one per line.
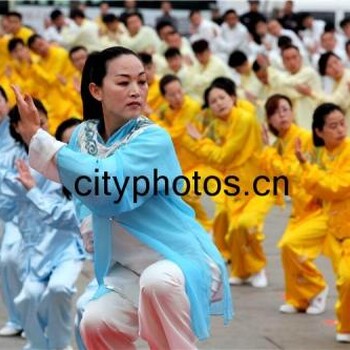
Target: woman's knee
<point>161,279</point>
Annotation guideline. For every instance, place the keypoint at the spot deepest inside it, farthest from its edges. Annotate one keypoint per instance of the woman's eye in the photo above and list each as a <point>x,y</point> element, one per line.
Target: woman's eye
<point>123,83</point>
<point>142,82</point>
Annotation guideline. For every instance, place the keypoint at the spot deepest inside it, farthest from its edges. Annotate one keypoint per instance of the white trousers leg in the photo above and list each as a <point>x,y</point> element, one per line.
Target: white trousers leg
<point>162,319</point>
<point>55,308</point>
<point>164,311</point>
<point>11,277</point>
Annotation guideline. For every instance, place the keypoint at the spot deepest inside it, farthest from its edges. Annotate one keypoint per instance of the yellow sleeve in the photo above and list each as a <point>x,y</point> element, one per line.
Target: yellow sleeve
<point>246,135</point>
<point>329,185</point>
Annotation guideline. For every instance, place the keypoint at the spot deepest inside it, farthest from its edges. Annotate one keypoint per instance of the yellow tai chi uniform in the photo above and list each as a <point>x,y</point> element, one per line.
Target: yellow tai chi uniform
<point>303,239</point>
<point>175,122</point>
<point>232,148</point>
<point>330,181</point>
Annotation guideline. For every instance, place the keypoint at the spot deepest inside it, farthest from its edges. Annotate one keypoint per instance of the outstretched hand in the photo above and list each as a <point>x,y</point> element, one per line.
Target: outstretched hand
<point>30,120</point>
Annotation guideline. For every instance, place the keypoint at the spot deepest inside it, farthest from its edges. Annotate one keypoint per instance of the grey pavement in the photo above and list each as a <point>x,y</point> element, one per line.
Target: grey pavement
<point>257,323</point>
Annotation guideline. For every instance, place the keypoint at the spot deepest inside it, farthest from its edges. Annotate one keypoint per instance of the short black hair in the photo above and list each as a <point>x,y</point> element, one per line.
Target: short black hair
<point>109,18</point>
<point>319,120</point>
<point>12,44</point>
<point>66,124</point>
<point>166,79</point>
<point>172,52</point>
<point>256,66</point>
<point>76,13</point>
<point>14,14</point>
<point>223,83</point>
<point>162,24</point>
<point>322,62</point>
<point>75,49</point>
<point>131,14</point>
<point>237,58</point>
<point>284,41</point>
<point>229,12</point>
<point>55,14</point>
<point>345,21</point>
<point>145,58</point>
<point>32,39</point>
<point>200,46</point>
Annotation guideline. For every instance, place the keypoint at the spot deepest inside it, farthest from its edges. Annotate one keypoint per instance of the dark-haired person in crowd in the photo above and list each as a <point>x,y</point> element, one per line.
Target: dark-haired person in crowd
<point>329,180</point>
<point>84,33</point>
<point>206,69</point>
<point>114,30</point>
<point>250,18</point>
<point>303,240</point>
<point>331,65</point>
<point>140,37</point>
<point>249,85</point>
<point>154,96</point>
<point>166,8</point>
<point>50,252</point>
<point>175,114</point>
<point>51,73</point>
<point>160,275</point>
<point>289,82</point>
<point>233,36</point>
<point>58,21</point>
<point>15,27</point>
<point>311,30</point>
<point>288,18</point>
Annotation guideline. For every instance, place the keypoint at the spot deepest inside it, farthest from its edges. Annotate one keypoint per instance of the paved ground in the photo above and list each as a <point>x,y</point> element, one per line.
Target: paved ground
<point>257,323</point>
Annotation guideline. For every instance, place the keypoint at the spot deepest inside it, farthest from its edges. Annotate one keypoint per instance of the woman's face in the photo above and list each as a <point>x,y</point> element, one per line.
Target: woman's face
<point>283,117</point>
<point>220,102</point>
<point>124,88</point>
<point>334,130</point>
<point>334,68</point>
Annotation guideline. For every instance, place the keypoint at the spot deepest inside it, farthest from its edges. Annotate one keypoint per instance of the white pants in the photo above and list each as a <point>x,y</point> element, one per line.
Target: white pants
<point>162,317</point>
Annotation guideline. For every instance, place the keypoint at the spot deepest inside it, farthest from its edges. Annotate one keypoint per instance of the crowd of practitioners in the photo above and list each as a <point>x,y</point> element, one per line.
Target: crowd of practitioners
<point>242,95</point>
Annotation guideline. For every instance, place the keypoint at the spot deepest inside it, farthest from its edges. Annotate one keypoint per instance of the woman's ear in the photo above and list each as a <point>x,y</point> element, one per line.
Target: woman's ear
<point>95,91</point>
<point>319,133</point>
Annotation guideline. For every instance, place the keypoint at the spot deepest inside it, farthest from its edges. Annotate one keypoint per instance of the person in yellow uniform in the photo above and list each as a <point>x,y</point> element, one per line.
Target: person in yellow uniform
<point>329,180</point>
<point>231,146</point>
<point>51,74</point>
<point>303,239</point>
<point>16,28</point>
<point>154,99</point>
<point>174,116</point>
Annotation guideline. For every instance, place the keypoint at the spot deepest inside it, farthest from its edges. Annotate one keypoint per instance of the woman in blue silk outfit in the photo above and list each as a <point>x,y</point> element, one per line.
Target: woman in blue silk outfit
<point>160,275</point>
<point>50,249</point>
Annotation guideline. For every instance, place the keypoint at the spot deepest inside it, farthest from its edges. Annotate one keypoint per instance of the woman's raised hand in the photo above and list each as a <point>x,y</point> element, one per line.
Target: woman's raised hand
<point>30,119</point>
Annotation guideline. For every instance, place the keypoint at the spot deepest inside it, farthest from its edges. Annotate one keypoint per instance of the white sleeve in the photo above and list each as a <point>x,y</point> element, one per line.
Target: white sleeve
<point>42,150</point>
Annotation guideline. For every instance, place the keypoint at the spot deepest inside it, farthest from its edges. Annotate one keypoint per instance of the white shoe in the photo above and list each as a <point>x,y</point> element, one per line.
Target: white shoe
<point>343,337</point>
<point>23,335</point>
<point>259,280</point>
<point>318,303</point>
<point>9,331</point>
<point>236,281</point>
<point>288,309</point>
